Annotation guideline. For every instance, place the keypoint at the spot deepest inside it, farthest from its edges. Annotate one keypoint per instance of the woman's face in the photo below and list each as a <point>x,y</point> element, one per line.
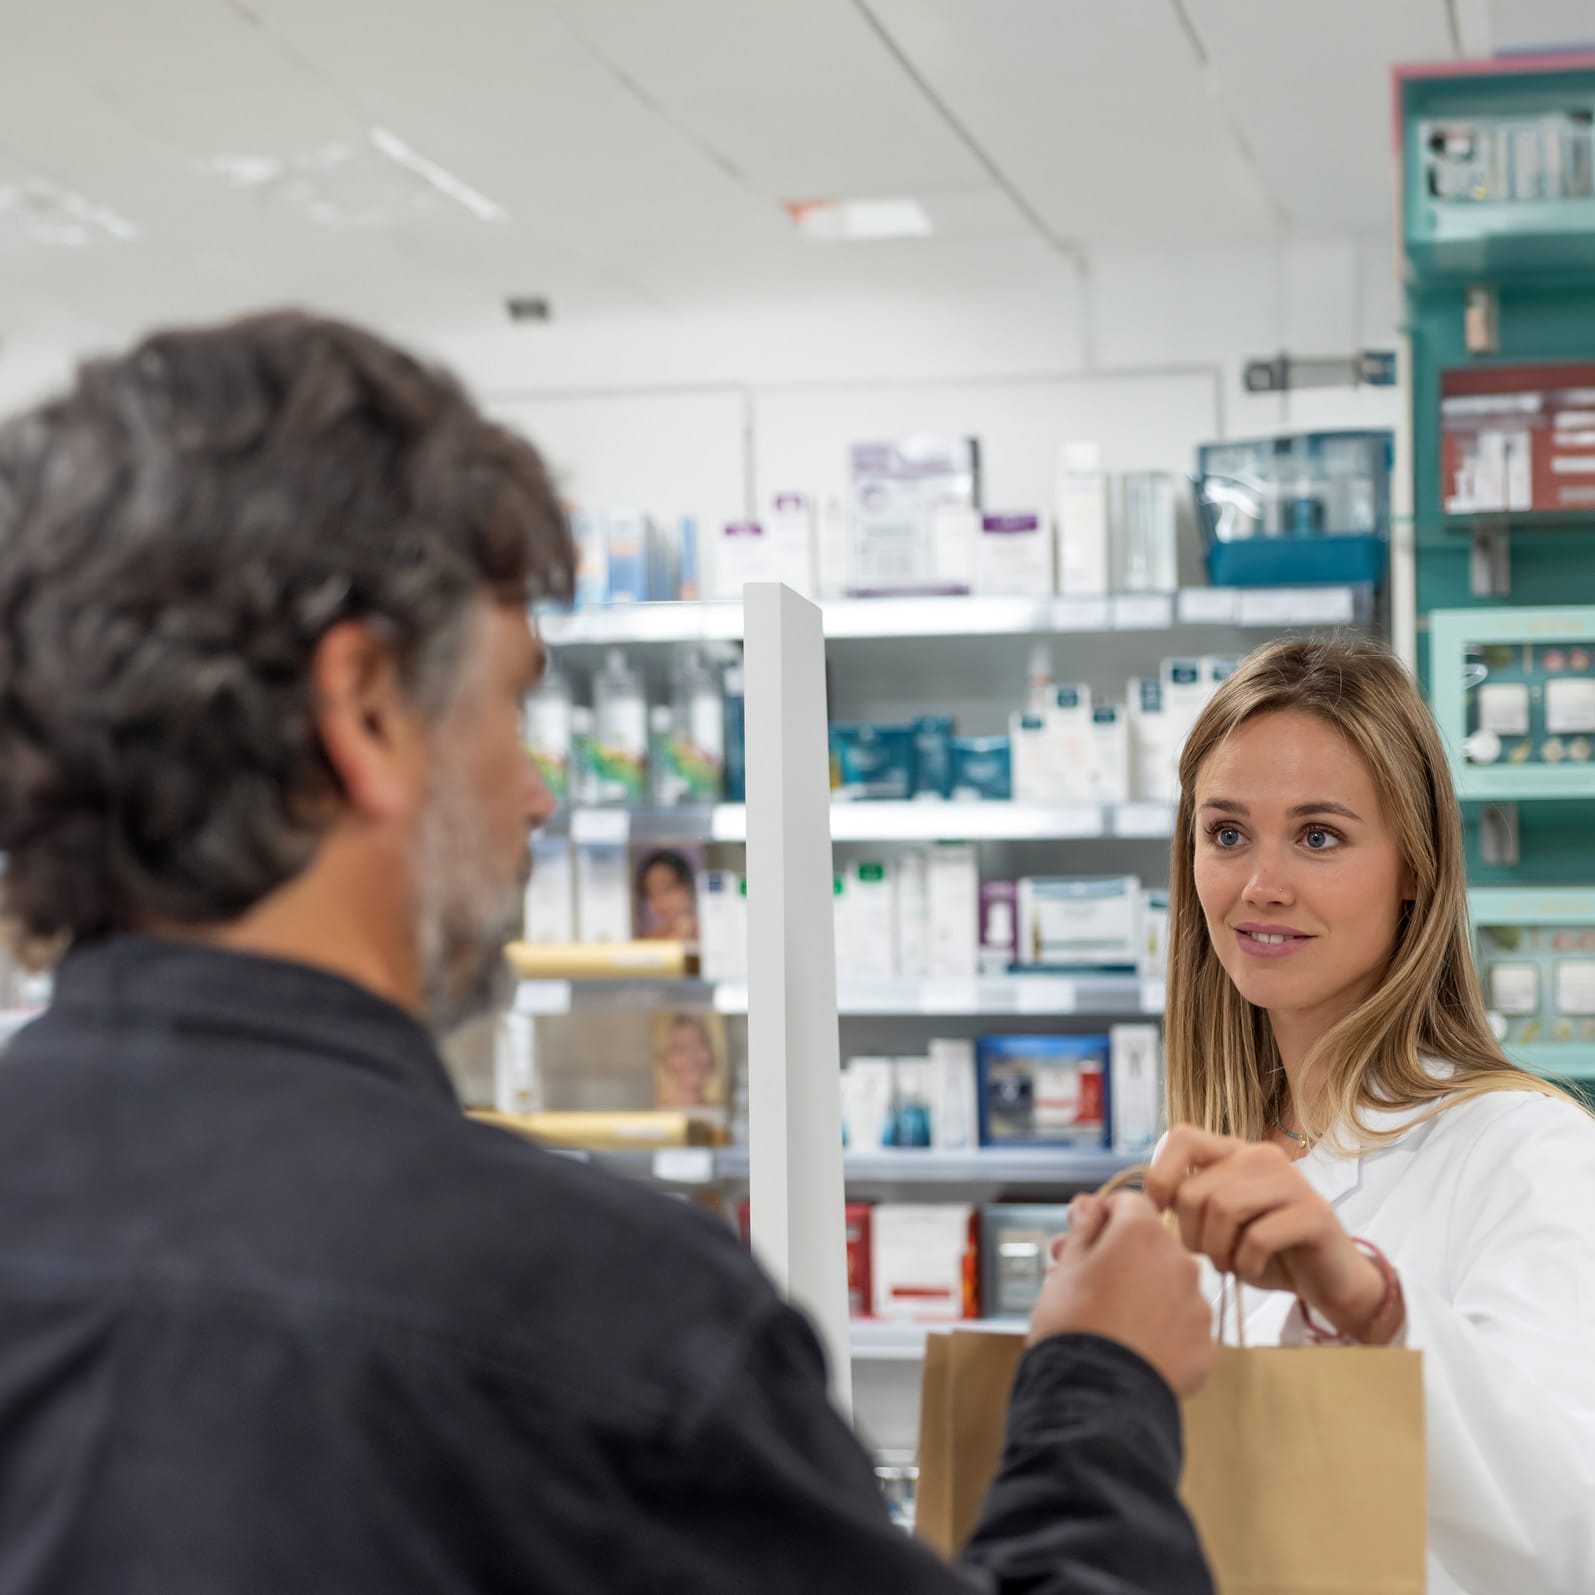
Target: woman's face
<point>689,1064</point>
<point>1298,870</point>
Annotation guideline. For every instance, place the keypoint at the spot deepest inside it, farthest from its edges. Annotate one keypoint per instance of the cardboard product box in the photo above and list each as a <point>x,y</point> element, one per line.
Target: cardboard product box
<point>867,949</point>
<point>1080,922</point>
<point>913,915</point>
<point>723,925</point>
<point>1013,556</point>
<point>1072,764</point>
<point>590,532</point>
<point>860,1298</point>
<point>1043,1090</point>
<point>1081,521</point>
<point>872,763</point>
<point>1135,1093</point>
<point>914,508</point>
<point>628,557</point>
<point>551,892</point>
<point>955,1123</point>
<point>603,893</point>
<point>999,926</point>
<point>954,880</point>
<point>776,550</point>
<point>1034,780</point>
<point>1154,754</point>
<point>1154,962</point>
<point>1015,1253</point>
<point>923,1263</point>
<point>1110,754</point>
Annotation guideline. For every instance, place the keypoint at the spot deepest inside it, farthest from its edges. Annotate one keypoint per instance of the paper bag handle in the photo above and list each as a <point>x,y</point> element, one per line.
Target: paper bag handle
<point>1139,1171</point>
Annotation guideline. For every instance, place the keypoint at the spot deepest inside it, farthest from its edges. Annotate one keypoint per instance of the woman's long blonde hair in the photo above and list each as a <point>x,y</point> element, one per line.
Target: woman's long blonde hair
<point>1224,1070</point>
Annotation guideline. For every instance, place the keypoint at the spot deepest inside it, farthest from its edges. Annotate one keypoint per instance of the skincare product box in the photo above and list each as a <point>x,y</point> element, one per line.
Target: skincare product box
<point>913,915</point>
<point>603,893</point>
<point>517,1090</point>
<point>1015,1253</point>
<point>1081,521</point>
<point>551,892</point>
<point>1110,754</point>
<point>1146,533</point>
<point>628,557</point>
<point>1154,754</point>
<point>866,939</point>
<point>954,891</point>
<point>1031,743</point>
<point>590,533</point>
<point>1080,922</point>
<point>914,516</point>
<point>1135,1094</point>
<point>924,1261</point>
<point>1069,732</point>
<point>982,769</point>
<point>933,756</point>
<point>1013,556</point>
<point>869,1109</point>
<point>1042,1090</point>
<point>779,549</point>
<point>870,762</point>
<point>722,925</point>
<point>955,1119</point>
<point>999,926</point>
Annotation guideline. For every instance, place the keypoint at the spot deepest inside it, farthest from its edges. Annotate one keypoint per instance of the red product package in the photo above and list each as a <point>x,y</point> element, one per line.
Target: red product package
<point>858,1259</point>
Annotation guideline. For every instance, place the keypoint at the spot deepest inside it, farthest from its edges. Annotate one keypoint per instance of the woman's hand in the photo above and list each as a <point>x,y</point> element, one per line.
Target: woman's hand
<point>1246,1206</point>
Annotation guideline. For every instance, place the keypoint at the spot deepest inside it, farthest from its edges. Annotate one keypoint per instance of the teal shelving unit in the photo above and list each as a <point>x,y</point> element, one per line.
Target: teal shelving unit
<point>1551,931</point>
<point>1498,275</point>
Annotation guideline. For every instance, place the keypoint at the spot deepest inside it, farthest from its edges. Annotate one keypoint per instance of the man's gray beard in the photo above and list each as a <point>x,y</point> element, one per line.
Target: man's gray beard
<point>465,912</point>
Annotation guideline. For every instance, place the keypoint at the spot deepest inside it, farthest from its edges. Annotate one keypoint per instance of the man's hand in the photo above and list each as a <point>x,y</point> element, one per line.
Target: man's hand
<point>1120,1274</point>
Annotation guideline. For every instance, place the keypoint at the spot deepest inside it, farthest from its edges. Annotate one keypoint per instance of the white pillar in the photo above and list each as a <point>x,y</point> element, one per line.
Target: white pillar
<point>794,1061</point>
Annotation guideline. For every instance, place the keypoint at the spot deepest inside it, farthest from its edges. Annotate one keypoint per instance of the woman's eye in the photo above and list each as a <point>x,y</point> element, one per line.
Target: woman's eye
<point>1227,836</point>
<point>1319,840</point>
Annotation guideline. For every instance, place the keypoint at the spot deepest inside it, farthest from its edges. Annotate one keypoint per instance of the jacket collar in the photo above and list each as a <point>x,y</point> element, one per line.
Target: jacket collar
<point>122,980</point>
<point>1336,1174</point>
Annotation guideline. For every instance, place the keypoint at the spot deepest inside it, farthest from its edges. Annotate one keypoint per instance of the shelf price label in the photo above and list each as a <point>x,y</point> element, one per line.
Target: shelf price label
<point>543,997</point>
<point>684,1165</point>
<point>600,827</point>
<point>1207,606</point>
<point>1142,612</point>
<point>1037,994</point>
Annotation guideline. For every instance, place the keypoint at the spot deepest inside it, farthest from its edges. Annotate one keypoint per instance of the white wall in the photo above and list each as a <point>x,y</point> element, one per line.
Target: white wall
<point>1141,349</point>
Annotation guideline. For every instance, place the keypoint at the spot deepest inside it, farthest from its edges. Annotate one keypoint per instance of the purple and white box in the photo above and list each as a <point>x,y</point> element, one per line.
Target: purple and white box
<point>1013,556</point>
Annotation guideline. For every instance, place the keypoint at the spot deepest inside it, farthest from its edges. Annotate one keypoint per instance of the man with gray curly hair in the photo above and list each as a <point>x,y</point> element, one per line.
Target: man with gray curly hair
<point>275,1318</point>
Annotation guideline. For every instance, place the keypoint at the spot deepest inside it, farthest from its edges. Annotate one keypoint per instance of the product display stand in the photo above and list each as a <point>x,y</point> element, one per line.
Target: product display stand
<point>794,1058</point>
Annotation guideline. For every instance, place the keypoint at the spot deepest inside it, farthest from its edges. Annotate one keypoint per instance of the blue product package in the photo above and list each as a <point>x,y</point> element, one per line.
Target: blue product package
<point>1043,1090</point>
<point>628,558</point>
<point>933,756</point>
<point>687,560</point>
<point>872,763</point>
<point>736,761</point>
<point>663,584</point>
<point>590,532</point>
<point>982,768</point>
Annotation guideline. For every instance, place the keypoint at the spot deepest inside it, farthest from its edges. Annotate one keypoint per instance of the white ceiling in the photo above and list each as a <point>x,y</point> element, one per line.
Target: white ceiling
<point>642,150</point>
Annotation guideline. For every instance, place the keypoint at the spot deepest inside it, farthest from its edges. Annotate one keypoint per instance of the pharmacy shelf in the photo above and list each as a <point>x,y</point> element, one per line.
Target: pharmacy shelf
<point>626,625</point>
<point>1059,1166</point>
<point>1095,996</point>
<point>881,1340</point>
<point>1557,1060</point>
<point>928,821</point>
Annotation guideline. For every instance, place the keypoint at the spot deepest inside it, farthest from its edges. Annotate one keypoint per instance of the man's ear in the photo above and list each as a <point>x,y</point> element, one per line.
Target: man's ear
<point>367,724</point>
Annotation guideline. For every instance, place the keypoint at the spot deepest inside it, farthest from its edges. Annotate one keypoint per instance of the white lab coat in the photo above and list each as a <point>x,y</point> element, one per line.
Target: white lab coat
<point>1488,1214</point>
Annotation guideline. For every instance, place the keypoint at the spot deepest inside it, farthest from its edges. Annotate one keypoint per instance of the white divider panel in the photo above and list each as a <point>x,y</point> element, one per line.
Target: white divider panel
<point>794,1059</point>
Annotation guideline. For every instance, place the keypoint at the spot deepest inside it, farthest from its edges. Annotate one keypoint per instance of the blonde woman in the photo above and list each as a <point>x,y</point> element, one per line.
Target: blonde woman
<point>1349,1137</point>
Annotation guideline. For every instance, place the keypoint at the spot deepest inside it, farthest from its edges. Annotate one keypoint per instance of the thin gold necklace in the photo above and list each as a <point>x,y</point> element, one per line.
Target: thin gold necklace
<point>1303,1141</point>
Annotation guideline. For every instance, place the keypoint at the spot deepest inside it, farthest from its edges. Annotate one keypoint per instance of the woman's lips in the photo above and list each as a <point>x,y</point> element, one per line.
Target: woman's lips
<point>1270,941</point>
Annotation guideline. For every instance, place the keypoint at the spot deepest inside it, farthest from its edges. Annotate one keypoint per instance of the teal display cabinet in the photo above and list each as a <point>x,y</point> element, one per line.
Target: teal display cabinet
<point>1535,948</point>
<point>1497,217</point>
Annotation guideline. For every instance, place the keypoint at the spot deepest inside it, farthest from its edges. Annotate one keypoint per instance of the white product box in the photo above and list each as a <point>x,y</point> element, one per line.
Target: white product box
<point>956,1121</point>
<point>1110,754</point>
<point>722,925</point>
<point>780,549</point>
<point>870,914</point>
<point>1569,705</point>
<point>831,552</point>
<point>1154,763</point>
<point>913,915</point>
<point>1145,533</point>
<point>1216,670</point>
<point>1515,989</point>
<point>551,892</point>
<point>1013,556</point>
<point>1082,521</point>
<point>918,1267</point>
<point>1084,922</point>
<point>913,504</point>
<point>603,893</point>
<point>1504,708</point>
<point>1030,748</point>
<point>954,892</point>
<point>868,1103</point>
<point>1072,771</point>
<point>1575,986</point>
<point>914,1083</point>
<point>1155,933</point>
<point>1135,1091</point>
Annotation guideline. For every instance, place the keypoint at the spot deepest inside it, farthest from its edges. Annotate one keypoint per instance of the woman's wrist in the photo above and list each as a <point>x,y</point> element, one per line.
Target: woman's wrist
<point>1370,1311</point>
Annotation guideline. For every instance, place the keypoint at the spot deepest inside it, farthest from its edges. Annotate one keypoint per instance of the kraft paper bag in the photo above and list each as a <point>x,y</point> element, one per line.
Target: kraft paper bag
<point>1305,1467</point>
